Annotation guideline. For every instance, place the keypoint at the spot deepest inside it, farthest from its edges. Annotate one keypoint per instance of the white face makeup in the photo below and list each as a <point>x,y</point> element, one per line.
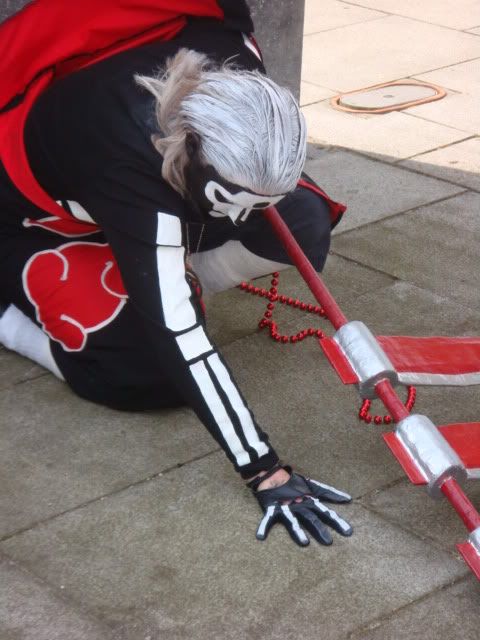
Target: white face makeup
<point>236,206</point>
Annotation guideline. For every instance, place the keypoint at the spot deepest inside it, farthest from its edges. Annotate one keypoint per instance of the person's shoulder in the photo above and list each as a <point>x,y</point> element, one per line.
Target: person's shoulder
<point>236,15</point>
<point>220,43</point>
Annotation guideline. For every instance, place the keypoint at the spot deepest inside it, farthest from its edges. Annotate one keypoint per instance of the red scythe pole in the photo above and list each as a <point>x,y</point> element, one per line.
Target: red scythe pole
<point>303,264</point>
<point>384,390</point>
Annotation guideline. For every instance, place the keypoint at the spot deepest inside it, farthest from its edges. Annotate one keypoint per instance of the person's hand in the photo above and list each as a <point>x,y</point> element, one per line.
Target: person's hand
<point>298,505</point>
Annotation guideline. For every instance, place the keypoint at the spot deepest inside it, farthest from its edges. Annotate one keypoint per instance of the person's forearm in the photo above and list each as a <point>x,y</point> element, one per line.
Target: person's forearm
<point>208,387</point>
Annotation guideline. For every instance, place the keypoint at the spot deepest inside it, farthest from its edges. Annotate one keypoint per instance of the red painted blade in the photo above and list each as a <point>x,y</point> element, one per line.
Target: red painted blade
<point>408,465</point>
<point>471,557</point>
<point>338,361</point>
<point>434,360</point>
<point>464,437</point>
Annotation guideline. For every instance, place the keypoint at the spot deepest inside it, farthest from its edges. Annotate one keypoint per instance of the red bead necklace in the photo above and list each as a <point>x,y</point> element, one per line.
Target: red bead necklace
<point>365,415</point>
<point>267,322</point>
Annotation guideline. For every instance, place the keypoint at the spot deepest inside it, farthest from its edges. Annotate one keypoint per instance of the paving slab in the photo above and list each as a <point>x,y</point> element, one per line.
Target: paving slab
<point>446,405</point>
<point>405,309</point>
<point>30,610</point>
<point>465,16</point>
<point>58,451</point>
<point>385,49</point>
<point>435,247</point>
<point>463,77</point>
<point>330,14</point>
<point>177,558</point>
<point>458,111</point>
<point>347,281</point>
<point>372,190</point>
<point>311,93</point>
<point>390,136</point>
<point>459,162</point>
<point>412,508</point>
<point>449,614</point>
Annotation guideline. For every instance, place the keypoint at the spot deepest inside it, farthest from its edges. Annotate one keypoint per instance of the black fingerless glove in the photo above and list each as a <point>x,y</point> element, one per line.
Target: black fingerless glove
<point>297,504</point>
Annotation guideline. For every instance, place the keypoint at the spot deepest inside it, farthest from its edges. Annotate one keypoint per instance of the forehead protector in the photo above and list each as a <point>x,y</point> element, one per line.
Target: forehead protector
<point>220,197</point>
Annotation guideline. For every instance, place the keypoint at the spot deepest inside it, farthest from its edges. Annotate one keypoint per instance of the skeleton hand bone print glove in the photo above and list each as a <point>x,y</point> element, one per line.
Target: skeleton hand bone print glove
<point>297,504</point>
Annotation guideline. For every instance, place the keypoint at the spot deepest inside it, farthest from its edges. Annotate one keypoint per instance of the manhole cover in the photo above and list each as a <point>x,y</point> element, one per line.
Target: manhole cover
<point>391,96</point>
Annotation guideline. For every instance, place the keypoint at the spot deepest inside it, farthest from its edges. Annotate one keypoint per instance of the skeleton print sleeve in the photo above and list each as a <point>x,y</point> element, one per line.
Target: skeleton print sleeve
<point>150,252</point>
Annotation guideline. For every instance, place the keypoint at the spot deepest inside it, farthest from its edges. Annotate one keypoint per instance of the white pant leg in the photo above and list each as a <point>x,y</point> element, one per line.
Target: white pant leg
<point>18,333</point>
<point>226,266</point>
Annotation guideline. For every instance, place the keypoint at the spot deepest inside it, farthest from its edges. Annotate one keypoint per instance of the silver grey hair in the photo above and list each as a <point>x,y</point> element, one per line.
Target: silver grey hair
<point>250,129</point>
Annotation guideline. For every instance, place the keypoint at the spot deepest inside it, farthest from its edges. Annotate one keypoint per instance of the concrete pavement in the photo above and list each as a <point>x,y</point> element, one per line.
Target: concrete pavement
<point>121,526</point>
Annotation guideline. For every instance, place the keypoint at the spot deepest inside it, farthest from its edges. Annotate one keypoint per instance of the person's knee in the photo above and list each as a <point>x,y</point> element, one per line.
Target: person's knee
<point>127,397</point>
<point>308,217</point>
<point>116,382</point>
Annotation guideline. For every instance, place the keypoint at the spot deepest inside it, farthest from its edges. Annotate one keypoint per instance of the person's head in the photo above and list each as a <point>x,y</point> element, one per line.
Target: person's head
<point>231,139</point>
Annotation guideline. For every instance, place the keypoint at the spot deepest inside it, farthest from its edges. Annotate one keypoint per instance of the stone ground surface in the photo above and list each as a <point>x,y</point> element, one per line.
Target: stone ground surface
<point>133,527</point>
